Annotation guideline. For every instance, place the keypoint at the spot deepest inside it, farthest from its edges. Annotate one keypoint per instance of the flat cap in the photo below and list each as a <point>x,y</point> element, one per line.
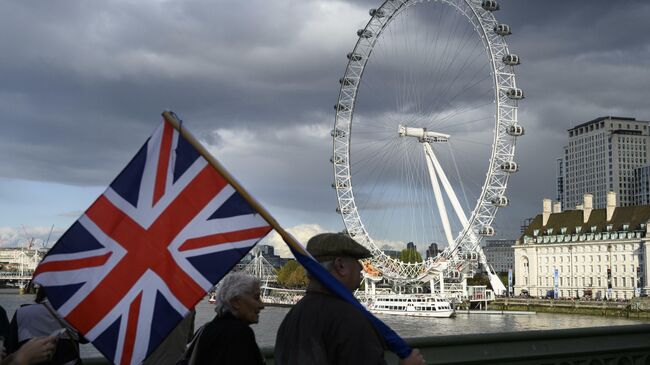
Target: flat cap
<point>328,246</point>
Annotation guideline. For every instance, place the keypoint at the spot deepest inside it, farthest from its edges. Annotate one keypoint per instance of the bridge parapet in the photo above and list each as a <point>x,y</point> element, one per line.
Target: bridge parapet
<point>576,346</point>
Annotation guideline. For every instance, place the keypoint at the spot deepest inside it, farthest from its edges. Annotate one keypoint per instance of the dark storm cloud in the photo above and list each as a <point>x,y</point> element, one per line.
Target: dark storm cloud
<point>84,83</point>
<point>94,77</point>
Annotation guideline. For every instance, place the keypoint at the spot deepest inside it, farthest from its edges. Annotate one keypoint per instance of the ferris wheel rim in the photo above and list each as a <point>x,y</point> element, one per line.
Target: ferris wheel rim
<point>503,145</point>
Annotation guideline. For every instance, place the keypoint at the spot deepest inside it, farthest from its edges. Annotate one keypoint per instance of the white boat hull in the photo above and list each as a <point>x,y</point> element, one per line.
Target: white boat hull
<point>414,305</point>
<point>436,314</point>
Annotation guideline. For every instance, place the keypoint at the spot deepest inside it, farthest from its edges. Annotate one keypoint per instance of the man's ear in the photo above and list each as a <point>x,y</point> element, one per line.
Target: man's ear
<point>339,267</point>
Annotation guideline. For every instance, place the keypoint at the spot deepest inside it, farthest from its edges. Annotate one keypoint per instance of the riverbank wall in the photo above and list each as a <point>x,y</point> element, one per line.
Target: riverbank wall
<point>635,308</point>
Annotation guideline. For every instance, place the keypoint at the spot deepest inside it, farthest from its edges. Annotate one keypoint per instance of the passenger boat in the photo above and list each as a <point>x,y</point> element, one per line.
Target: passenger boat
<point>416,305</point>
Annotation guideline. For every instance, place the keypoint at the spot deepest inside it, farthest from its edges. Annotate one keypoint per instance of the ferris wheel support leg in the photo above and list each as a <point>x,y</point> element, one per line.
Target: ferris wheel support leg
<point>442,284</point>
<point>447,186</point>
<point>438,194</point>
<point>464,285</point>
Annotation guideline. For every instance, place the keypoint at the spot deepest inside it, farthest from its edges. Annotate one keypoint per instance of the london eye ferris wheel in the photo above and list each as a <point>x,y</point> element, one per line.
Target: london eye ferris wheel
<point>431,93</point>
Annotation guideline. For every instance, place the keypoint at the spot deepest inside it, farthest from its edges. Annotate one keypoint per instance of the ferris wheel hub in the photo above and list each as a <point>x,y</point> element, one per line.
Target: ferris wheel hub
<point>422,134</point>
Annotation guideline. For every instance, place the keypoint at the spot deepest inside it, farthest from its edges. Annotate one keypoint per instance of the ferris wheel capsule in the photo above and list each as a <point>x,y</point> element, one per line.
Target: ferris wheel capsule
<point>337,133</point>
<point>337,159</point>
<point>490,5</point>
<point>486,231</point>
<point>341,107</point>
<point>354,56</point>
<point>364,33</point>
<point>509,166</point>
<point>515,93</point>
<point>502,29</point>
<point>339,185</point>
<point>511,59</point>
<point>470,256</point>
<point>344,210</point>
<point>346,81</point>
<point>500,201</point>
<point>515,130</point>
<point>378,13</point>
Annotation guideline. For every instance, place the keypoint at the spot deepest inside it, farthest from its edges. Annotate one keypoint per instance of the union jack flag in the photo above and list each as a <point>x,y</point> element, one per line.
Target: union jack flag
<point>166,230</point>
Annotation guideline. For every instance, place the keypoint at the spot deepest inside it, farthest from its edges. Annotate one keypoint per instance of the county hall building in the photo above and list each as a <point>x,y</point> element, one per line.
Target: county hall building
<point>585,252</point>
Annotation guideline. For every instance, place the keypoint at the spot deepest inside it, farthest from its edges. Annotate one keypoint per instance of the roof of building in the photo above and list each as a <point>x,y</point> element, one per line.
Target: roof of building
<point>634,216</point>
<point>601,119</point>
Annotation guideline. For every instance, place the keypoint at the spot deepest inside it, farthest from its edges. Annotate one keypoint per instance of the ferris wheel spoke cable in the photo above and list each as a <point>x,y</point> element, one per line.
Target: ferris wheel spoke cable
<point>378,171</point>
<point>460,181</point>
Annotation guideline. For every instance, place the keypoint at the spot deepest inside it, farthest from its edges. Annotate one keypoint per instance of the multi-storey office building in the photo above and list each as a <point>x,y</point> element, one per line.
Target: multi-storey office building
<point>559,173</point>
<point>642,186</point>
<point>432,251</point>
<point>602,155</point>
<point>500,254</point>
<point>587,251</point>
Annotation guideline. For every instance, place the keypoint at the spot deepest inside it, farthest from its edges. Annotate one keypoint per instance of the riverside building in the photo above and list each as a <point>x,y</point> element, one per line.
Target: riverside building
<point>585,252</point>
<point>500,254</point>
<point>603,155</point>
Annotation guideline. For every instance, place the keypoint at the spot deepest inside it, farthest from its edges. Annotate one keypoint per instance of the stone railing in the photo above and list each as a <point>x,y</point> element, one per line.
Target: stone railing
<point>577,346</point>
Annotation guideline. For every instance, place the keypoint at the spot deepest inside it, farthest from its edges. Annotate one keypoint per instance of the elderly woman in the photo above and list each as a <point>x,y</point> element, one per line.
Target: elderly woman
<point>228,339</point>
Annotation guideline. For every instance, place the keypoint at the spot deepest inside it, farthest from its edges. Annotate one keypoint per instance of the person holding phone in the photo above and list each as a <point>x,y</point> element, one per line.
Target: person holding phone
<point>41,320</point>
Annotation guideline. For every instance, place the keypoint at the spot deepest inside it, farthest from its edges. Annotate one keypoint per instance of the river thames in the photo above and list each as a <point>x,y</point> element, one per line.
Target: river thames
<point>407,327</point>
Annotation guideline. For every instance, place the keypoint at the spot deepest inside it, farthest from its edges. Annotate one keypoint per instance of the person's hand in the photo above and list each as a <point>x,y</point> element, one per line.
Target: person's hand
<point>36,350</point>
<point>415,358</point>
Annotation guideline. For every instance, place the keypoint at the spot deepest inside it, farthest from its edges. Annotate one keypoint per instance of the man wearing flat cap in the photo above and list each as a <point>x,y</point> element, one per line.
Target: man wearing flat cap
<point>322,329</point>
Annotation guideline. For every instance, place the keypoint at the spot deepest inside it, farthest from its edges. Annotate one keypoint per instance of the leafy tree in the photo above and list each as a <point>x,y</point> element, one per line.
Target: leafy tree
<point>285,272</point>
<point>298,278</point>
<point>410,256</point>
<point>503,276</point>
<point>479,279</point>
<point>292,275</point>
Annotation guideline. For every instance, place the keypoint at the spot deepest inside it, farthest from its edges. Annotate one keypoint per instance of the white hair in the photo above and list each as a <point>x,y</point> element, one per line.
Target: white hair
<point>232,286</point>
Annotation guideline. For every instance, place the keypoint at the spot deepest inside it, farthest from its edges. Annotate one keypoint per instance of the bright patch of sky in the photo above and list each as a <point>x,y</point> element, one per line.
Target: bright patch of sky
<point>38,204</point>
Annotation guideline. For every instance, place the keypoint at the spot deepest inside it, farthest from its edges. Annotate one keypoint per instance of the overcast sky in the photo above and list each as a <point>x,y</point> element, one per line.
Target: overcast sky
<point>84,83</point>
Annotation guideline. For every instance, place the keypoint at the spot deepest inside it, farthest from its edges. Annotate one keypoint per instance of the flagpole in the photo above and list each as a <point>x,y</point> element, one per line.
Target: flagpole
<point>288,238</point>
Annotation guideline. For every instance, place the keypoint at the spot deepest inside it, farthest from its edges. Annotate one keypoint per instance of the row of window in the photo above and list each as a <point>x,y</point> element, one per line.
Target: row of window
<point>593,229</point>
<point>629,282</point>
<point>597,258</point>
<point>564,270</point>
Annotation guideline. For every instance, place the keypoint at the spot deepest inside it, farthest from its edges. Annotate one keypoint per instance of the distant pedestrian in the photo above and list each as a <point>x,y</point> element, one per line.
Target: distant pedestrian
<point>228,338</point>
<point>323,329</point>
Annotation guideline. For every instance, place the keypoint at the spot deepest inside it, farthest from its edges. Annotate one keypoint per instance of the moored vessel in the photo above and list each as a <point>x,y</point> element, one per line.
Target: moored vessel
<point>417,305</point>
